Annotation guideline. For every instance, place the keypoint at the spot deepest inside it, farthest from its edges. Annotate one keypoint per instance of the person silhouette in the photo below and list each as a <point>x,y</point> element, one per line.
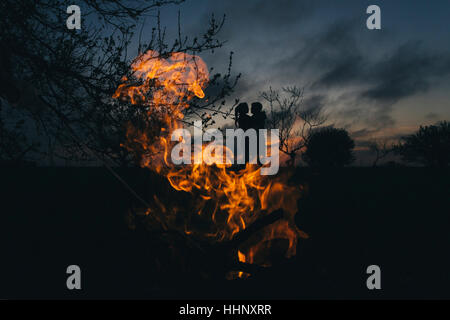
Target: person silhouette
<point>243,121</point>
<point>258,121</point>
<point>258,118</point>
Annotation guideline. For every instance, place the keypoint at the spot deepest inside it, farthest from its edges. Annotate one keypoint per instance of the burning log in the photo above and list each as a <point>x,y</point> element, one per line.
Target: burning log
<point>259,224</point>
<point>220,258</point>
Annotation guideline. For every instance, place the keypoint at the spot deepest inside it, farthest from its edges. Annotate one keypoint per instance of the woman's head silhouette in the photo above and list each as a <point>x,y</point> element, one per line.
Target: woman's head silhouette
<point>240,113</point>
<point>242,108</point>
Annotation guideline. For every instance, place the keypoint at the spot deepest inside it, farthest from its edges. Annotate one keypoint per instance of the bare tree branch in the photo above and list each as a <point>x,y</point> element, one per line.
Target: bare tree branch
<point>294,121</point>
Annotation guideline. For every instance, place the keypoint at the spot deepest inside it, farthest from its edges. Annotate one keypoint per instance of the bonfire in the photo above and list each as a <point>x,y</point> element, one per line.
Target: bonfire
<point>236,217</point>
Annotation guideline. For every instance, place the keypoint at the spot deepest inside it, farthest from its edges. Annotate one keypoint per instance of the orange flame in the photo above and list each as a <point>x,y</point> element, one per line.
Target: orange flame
<point>230,199</point>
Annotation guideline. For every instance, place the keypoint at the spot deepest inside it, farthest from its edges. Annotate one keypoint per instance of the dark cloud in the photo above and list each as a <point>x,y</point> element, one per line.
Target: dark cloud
<point>346,70</point>
<point>431,116</point>
<point>336,55</point>
<point>314,101</point>
<point>409,70</point>
<point>362,133</point>
<point>322,54</point>
<point>254,19</point>
<point>341,62</point>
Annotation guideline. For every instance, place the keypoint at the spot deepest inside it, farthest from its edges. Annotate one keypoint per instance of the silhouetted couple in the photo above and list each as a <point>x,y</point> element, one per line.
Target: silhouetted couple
<point>244,121</point>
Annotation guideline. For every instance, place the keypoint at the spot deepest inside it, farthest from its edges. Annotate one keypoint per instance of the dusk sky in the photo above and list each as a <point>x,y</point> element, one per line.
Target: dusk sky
<point>375,83</point>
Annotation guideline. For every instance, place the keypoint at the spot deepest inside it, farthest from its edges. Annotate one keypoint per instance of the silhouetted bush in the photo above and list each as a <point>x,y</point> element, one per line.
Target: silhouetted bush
<point>329,147</point>
<point>429,146</point>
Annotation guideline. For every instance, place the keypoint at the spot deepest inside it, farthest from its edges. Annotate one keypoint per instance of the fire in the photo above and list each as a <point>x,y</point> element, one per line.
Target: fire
<point>164,87</point>
<point>229,200</point>
<point>242,258</point>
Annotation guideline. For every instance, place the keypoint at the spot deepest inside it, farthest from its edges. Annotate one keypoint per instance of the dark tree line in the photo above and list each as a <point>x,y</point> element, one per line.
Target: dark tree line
<point>429,146</point>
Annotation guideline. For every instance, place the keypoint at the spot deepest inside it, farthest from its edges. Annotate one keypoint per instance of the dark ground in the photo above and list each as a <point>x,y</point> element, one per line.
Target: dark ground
<point>397,218</point>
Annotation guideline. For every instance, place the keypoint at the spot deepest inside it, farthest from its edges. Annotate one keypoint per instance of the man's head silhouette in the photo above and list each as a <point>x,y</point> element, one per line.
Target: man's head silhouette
<point>256,107</point>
